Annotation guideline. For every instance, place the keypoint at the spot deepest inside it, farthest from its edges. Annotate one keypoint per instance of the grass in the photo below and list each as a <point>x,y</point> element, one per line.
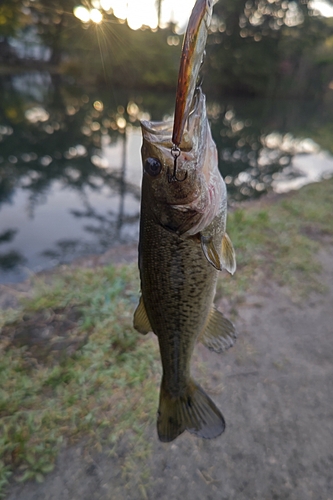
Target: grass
<point>107,387</point>
<point>277,242</point>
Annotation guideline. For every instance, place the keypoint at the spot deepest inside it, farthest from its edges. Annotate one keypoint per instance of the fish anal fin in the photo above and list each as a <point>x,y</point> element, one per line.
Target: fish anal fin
<point>228,255</point>
<point>210,252</point>
<point>219,333</point>
<point>140,321</point>
<point>193,411</point>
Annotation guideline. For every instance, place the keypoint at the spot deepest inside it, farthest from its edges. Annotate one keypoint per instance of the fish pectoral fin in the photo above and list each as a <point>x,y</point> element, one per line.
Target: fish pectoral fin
<point>228,255</point>
<point>140,321</point>
<point>225,259</point>
<point>210,252</point>
<point>193,411</point>
<point>219,333</point>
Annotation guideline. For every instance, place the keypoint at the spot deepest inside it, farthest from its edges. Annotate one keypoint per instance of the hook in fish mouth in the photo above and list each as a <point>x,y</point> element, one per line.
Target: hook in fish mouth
<point>175,153</point>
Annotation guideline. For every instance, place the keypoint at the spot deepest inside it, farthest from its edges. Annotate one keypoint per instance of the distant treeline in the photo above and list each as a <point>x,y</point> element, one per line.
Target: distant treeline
<point>256,47</point>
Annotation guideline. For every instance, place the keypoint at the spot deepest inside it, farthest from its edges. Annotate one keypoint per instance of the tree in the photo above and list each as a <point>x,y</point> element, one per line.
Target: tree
<point>159,10</point>
<point>55,24</point>
<point>258,45</point>
<point>12,18</point>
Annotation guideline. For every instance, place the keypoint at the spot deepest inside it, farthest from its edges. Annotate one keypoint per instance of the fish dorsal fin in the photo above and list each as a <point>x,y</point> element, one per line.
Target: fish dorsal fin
<point>219,333</point>
<point>228,255</point>
<point>140,321</point>
<point>225,259</point>
<point>210,252</point>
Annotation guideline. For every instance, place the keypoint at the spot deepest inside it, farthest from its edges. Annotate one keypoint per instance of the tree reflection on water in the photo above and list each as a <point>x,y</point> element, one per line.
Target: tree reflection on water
<point>11,258</point>
<point>58,136</point>
<point>256,142</point>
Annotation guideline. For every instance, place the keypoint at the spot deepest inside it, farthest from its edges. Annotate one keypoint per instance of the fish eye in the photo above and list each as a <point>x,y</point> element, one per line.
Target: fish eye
<point>153,166</point>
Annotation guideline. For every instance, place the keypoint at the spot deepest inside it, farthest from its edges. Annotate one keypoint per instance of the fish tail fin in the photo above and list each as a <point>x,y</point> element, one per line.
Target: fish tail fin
<point>193,411</point>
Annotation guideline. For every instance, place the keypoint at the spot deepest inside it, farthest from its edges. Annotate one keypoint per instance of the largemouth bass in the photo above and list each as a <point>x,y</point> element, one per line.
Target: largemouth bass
<point>183,244</point>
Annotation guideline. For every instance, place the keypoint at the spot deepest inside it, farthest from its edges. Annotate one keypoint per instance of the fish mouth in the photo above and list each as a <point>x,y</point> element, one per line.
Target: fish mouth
<point>159,133</point>
<point>160,129</point>
<point>190,65</point>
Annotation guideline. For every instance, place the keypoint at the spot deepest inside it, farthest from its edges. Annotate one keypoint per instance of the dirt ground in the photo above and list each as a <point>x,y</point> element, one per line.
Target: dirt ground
<point>275,390</point>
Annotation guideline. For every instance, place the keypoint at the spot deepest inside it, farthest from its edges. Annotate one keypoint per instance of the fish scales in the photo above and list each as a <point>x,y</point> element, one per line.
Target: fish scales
<point>183,245</point>
<point>176,277</point>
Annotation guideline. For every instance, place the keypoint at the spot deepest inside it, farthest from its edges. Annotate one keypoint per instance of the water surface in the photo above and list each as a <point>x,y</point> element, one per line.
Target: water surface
<point>70,164</point>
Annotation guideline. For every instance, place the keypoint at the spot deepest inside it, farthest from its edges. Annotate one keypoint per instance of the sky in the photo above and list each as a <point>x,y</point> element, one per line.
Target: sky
<point>324,8</point>
<point>143,12</point>
<point>139,12</point>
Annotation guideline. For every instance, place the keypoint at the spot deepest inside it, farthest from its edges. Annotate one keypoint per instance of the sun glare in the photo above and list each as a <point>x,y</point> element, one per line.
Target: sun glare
<point>138,13</point>
<point>96,16</point>
<point>106,4</point>
<point>86,15</point>
<point>119,8</point>
<point>141,13</point>
<point>323,8</point>
<point>82,13</point>
<point>176,11</point>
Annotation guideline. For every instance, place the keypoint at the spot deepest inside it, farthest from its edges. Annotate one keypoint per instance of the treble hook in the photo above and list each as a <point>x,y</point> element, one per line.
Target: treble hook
<point>175,153</point>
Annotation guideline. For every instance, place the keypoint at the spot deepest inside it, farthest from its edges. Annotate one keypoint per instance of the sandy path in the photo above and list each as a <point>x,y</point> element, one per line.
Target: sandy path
<point>275,389</point>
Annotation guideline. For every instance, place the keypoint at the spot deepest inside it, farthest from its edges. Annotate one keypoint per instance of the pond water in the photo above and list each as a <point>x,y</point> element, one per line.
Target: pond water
<point>70,164</point>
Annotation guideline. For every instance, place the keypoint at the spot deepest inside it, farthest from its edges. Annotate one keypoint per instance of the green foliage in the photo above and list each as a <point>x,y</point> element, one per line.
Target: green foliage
<point>11,17</point>
<point>55,23</point>
<point>102,390</point>
<point>323,137</point>
<point>107,387</point>
<point>277,243</point>
<point>127,58</point>
<point>257,47</point>
<point>266,48</point>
